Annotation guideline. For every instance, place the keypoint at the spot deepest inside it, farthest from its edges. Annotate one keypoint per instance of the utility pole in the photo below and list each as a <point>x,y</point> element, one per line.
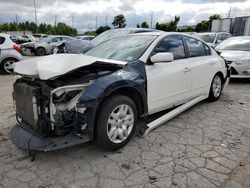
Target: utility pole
<point>35,16</point>
<point>17,21</point>
<point>55,20</point>
<point>72,21</point>
<point>96,23</point>
<point>106,19</point>
<point>151,20</point>
<point>229,12</point>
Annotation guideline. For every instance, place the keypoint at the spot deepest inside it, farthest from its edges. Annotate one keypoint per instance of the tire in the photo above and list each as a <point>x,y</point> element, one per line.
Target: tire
<point>111,131</point>
<point>216,88</point>
<point>40,51</point>
<point>7,65</point>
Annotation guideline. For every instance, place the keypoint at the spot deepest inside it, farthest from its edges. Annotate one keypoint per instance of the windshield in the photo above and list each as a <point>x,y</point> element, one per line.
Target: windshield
<point>209,38</point>
<point>238,44</point>
<point>109,35</point>
<point>128,48</point>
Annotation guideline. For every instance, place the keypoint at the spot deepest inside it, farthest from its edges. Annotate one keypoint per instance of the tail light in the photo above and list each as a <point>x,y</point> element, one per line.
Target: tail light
<point>17,48</point>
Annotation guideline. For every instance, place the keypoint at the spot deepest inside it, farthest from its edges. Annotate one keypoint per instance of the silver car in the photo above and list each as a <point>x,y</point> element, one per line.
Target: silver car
<point>44,46</point>
<point>9,53</point>
<point>236,51</point>
<point>213,39</point>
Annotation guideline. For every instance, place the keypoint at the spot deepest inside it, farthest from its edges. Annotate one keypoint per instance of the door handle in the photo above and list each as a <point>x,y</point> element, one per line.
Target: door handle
<point>187,69</point>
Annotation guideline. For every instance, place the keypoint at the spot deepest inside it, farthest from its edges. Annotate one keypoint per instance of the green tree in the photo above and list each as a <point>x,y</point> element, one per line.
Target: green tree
<point>102,29</point>
<point>119,21</point>
<point>138,25</point>
<point>60,29</point>
<point>168,26</point>
<point>90,33</point>
<point>144,25</point>
<point>214,17</point>
<point>202,26</point>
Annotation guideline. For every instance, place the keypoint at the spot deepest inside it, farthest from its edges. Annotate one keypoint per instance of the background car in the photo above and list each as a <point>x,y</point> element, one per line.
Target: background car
<point>45,45</point>
<point>85,37</point>
<point>30,38</point>
<point>236,51</point>
<point>213,38</point>
<point>112,33</point>
<point>9,53</point>
<point>39,36</point>
<point>76,46</point>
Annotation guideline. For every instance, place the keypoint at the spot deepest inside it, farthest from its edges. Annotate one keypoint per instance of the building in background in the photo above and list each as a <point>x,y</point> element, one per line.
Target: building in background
<point>239,26</point>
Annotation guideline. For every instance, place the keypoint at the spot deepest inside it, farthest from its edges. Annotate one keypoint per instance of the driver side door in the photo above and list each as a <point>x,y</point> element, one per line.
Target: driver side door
<point>168,83</point>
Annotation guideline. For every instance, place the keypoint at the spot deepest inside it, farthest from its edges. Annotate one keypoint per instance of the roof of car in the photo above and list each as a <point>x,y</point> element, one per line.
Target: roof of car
<point>210,33</point>
<point>4,35</point>
<point>240,37</point>
<point>158,33</point>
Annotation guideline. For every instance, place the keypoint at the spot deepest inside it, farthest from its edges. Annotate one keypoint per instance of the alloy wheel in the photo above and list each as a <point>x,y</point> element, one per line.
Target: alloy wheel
<point>120,123</point>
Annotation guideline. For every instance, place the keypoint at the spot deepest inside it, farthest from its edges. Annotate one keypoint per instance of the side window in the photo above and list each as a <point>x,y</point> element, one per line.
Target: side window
<point>56,39</point>
<point>2,39</point>
<point>66,38</point>
<point>195,47</point>
<point>172,44</point>
<point>220,37</point>
<point>208,50</point>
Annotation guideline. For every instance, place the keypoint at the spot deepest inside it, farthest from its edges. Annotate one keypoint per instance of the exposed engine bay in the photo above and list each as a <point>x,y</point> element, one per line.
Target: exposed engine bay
<point>49,106</point>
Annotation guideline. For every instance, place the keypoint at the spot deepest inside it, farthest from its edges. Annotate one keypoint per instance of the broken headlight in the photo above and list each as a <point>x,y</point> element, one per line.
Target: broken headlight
<point>65,97</point>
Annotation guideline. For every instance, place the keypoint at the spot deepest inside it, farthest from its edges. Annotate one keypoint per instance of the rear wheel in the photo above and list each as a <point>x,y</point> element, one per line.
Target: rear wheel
<point>216,88</point>
<point>40,51</point>
<point>116,122</point>
<point>8,65</point>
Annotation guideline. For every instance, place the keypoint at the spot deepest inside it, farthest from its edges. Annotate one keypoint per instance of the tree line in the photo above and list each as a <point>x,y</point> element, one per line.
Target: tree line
<point>119,21</point>
<point>58,29</point>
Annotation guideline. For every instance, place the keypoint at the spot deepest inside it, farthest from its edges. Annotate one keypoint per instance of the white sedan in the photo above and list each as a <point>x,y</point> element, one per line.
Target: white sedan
<point>101,95</point>
<point>236,51</point>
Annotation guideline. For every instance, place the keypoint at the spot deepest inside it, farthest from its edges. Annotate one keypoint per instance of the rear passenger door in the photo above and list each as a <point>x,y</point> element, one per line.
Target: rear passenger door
<point>202,65</point>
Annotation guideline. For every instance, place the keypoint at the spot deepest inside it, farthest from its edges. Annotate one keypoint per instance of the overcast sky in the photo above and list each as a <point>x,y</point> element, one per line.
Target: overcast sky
<point>85,12</point>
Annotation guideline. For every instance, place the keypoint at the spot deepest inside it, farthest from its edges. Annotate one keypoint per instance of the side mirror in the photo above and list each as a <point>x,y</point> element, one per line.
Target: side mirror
<point>162,57</point>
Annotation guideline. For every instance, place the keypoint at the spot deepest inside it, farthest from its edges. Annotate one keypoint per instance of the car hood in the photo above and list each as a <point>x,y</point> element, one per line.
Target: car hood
<point>231,55</point>
<point>29,43</point>
<point>49,67</point>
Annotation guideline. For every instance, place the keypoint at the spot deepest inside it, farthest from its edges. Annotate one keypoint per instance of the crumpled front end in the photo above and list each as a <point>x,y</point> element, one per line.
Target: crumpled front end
<point>46,115</point>
<point>47,112</point>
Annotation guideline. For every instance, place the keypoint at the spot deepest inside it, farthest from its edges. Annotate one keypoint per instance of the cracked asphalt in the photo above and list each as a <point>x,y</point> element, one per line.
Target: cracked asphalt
<point>207,146</point>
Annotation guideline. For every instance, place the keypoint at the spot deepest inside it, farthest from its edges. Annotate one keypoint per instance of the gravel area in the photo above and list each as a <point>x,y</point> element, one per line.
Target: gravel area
<point>207,146</point>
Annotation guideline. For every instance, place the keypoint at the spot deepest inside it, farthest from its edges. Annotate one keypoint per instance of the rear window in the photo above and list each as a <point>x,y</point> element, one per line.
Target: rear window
<point>2,39</point>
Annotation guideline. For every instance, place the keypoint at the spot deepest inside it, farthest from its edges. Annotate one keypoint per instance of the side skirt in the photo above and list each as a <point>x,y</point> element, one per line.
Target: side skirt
<point>156,123</point>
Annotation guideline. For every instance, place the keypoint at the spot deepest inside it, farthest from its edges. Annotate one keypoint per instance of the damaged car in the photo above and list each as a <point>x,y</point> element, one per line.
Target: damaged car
<point>68,99</point>
<point>44,46</point>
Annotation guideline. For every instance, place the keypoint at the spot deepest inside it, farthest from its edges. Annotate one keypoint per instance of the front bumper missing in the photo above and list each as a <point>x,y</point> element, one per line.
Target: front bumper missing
<point>28,139</point>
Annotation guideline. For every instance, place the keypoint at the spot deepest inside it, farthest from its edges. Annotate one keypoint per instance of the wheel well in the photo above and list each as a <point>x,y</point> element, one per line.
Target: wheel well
<point>41,48</point>
<point>132,94</point>
<point>7,59</point>
<point>221,76</point>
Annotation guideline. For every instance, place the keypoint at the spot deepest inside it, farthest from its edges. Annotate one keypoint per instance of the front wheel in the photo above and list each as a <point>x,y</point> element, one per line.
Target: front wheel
<point>8,65</point>
<point>216,88</point>
<point>116,122</point>
<point>40,51</point>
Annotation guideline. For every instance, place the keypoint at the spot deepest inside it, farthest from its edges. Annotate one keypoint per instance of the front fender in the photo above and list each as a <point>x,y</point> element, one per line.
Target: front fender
<point>133,75</point>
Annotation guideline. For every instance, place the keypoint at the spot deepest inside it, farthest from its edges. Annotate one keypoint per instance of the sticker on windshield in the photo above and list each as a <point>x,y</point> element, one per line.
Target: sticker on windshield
<point>129,58</point>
